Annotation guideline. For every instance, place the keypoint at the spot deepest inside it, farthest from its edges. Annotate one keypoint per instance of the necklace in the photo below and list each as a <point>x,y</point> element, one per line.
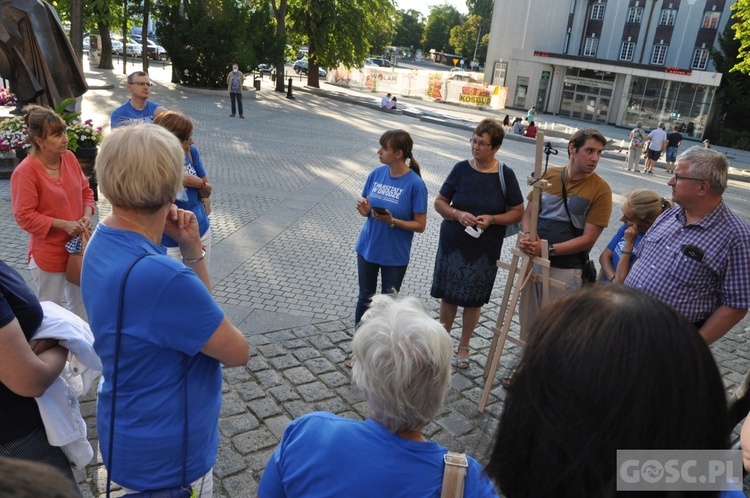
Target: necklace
<point>39,158</point>
<point>148,234</point>
<point>473,163</point>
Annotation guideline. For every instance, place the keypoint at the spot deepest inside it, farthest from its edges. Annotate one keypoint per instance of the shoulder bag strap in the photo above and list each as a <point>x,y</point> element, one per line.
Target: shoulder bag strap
<point>584,255</point>
<point>454,475</point>
<point>118,337</point>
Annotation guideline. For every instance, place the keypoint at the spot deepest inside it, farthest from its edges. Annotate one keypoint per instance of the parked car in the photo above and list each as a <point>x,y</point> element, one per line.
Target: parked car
<point>117,47</point>
<point>301,67</point>
<point>86,43</point>
<point>379,62</point>
<point>156,51</point>
<point>265,68</point>
<point>133,49</point>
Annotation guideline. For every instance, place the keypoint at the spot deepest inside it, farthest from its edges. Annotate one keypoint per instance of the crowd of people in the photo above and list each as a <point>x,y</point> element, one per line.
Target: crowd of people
<point>676,277</point>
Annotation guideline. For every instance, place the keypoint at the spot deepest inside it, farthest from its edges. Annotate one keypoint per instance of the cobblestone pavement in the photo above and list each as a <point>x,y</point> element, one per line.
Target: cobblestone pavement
<point>284,269</point>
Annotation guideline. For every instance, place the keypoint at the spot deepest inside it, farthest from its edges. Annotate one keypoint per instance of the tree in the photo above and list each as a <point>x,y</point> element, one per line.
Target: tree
<point>741,28</point>
<point>481,8</point>
<point>338,31</point>
<point>279,8</point>
<point>409,29</point>
<point>441,20</point>
<point>733,98</point>
<point>467,37</point>
<point>204,37</point>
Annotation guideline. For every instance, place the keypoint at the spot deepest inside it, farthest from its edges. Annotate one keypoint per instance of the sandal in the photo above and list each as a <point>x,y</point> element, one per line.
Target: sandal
<point>462,363</point>
<point>349,361</point>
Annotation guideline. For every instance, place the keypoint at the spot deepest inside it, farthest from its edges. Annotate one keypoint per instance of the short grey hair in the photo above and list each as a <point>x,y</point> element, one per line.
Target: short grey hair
<point>402,362</point>
<point>707,163</point>
<point>639,124</point>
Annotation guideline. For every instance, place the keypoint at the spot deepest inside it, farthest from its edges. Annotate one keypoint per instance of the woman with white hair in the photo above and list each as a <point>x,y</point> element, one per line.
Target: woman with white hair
<point>402,364</point>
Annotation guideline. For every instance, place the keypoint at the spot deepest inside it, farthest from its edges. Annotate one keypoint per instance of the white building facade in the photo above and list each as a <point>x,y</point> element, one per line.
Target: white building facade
<point>610,61</point>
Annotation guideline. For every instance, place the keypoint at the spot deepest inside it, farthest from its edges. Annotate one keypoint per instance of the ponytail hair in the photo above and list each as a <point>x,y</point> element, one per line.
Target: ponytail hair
<point>401,140</point>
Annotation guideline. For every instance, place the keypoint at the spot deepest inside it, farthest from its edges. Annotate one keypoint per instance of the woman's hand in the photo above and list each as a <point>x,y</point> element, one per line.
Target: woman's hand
<point>70,227</point>
<point>182,226</point>
<point>465,218</point>
<point>192,181</point>
<point>385,218</point>
<point>484,221</point>
<point>363,206</point>
<point>630,235</point>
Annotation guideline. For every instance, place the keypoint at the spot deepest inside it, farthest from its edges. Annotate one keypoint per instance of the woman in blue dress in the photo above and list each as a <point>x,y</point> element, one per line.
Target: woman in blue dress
<point>472,197</point>
<point>639,211</point>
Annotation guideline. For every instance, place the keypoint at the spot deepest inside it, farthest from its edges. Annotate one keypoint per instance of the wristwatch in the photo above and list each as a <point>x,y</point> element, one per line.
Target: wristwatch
<point>552,251</point>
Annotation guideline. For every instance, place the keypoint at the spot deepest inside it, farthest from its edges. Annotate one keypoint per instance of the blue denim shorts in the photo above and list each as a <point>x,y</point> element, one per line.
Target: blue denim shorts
<point>671,154</point>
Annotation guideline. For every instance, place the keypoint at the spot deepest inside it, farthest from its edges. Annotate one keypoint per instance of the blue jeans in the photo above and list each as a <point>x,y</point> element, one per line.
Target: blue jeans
<point>391,276</point>
<point>238,97</point>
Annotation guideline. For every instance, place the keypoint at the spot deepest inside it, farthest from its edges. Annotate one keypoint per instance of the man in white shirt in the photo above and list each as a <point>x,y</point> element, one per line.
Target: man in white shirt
<point>384,101</point>
<point>657,144</point>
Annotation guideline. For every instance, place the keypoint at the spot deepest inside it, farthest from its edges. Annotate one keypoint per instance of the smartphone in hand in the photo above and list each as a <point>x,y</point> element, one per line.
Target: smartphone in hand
<point>380,211</point>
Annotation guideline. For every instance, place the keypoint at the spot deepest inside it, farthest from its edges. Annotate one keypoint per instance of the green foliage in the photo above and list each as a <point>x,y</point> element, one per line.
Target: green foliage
<point>339,31</point>
<point>734,139</point>
<point>467,37</point>
<point>204,37</point>
<point>481,8</point>
<point>741,28</point>
<point>409,29</point>
<point>733,98</point>
<point>441,20</point>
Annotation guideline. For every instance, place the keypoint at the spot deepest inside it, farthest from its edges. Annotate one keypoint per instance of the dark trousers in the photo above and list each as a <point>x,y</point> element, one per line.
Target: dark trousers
<point>238,97</point>
<point>391,277</point>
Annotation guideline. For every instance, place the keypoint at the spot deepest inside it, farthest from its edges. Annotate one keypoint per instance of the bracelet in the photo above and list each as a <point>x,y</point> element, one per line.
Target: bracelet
<point>626,252</point>
<point>492,222</point>
<point>204,184</point>
<point>453,215</point>
<point>393,222</point>
<point>195,260</point>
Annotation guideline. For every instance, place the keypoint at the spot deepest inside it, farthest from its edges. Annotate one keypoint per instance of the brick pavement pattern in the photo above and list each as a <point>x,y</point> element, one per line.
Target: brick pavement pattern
<point>284,269</point>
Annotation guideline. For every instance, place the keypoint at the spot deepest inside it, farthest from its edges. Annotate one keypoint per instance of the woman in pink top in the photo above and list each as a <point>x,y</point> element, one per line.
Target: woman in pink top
<point>52,201</point>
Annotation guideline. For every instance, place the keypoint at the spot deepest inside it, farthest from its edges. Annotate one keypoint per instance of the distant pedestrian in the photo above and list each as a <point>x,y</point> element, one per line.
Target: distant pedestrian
<point>674,140</point>
<point>392,104</point>
<point>531,130</point>
<point>518,127</point>
<point>637,137</point>
<point>707,143</point>
<point>235,80</point>
<point>506,123</point>
<point>384,101</point>
<point>138,109</point>
<point>531,115</point>
<point>657,144</point>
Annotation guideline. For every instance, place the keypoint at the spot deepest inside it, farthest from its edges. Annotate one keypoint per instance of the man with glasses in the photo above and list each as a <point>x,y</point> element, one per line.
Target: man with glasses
<point>575,209</point>
<point>138,109</point>
<point>696,255</point>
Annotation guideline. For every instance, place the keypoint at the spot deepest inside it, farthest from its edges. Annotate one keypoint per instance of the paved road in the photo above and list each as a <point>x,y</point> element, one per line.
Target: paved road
<point>283,266</point>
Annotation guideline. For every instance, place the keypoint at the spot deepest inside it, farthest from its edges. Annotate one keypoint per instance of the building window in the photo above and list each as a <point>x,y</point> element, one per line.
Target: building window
<point>711,20</point>
<point>668,17</point>
<point>597,12</point>
<point>626,52</point>
<point>589,49</point>
<point>635,14</point>
<point>700,58</point>
<point>659,55</point>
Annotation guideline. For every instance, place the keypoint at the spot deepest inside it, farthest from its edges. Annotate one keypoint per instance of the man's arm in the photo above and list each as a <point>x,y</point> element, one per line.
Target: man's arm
<point>720,322</point>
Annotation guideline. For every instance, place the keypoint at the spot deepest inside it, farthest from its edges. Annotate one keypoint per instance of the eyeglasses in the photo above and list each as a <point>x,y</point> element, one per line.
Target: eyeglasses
<point>474,141</point>
<point>142,83</point>
<point>678,177</point>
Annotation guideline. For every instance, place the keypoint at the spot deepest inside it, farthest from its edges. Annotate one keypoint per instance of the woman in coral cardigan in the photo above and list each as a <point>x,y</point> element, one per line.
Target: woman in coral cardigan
<point>52,201</point>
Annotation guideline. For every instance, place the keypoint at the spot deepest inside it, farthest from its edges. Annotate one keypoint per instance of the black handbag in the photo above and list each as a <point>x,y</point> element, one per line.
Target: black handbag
<point>184,490</point>
<point>588,273</point>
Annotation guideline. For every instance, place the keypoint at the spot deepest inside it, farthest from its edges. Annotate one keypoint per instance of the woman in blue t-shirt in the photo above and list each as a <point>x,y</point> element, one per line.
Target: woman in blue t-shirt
<point>394,201</point>
<point>196,186</point>
<point>639,211</point>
